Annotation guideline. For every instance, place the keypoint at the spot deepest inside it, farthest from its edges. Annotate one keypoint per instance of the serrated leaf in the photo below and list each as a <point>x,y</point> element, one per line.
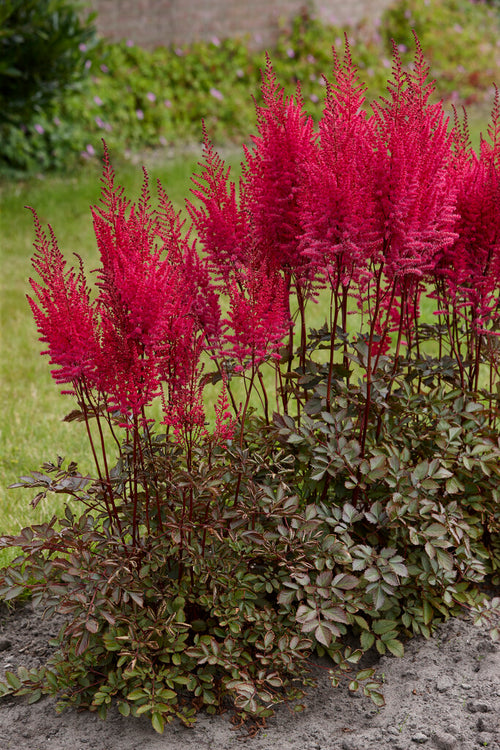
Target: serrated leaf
<point>13,680</point>
<point>428,612</point>
<point>436,530</point>
<point>23,674</point>
<point>323,635</point>
<point>395,647</point>
<point>157,722</point>
<point>378,598</point>
<point>124,708</point>
<point>453,486</point>
<point>345,581</point>
<point>366,640</point>
<point>268,638</point>
<point>137,694</point>
<point>13,592</point>
<point>318,476</point>
<point>442,473</point>
<point>355,656</point>
<point>305,613</point>
<point>324,579</point>
<point>361,622</point>
<point>92,625</point>
<point>376,697</point>
<point>144,709</point>
<point>384,626</point>
<point>364,674</point>
<point>34,696</point>
<point>335,613</point>
<point>420,471</point>
<point>286,597</point>
<point>399,568</point>
<point>371,574</point>
<point>137,598</point>
<point>167,695</point>
<point>445,559</point>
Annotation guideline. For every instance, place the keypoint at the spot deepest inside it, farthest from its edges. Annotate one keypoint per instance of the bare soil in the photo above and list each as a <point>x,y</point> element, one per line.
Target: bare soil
<point>444,694</point>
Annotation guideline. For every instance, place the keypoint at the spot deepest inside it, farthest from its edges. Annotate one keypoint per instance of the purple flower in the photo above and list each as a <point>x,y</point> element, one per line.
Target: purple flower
<point>239,73</point>
<point>217,94</point>
<point>88,64</point>
<point>98,100</point>
<point>82,47</point>
<point>104,125</point>
<point>314,98</point>
<point>90,149</point>
<point>39,129</point>
<point>311,59</point>
<point>167,103</point>
<point>179,51</point>
<point>129,43</point>
<point>140,114</point>
<point>104,68</point>
<point>290,52</point>
<point>151,96</point>
<point>215,41</point>
<point>56,121</point>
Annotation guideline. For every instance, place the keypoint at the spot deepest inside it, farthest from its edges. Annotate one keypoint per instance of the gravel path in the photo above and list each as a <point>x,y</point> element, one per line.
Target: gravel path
<point>444,694</point>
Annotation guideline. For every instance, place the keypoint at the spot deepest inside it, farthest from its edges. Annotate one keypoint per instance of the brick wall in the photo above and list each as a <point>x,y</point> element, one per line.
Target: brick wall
<point>151,23</point>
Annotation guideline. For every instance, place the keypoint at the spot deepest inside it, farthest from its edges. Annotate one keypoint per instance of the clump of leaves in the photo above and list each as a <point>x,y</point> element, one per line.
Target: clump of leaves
<point>180,619</point>
<point>415,513</point>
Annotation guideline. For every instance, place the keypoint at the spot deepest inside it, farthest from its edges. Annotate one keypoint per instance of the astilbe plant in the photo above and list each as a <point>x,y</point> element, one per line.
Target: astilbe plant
<point>209,563</point>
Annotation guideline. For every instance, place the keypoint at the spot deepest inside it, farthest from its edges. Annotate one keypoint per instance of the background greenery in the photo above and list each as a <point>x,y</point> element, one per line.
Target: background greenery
<point>87,90</point>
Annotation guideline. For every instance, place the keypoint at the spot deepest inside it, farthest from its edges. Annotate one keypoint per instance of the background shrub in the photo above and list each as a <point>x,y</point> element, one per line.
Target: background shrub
<point>138,99</point>
<point>42,57</point>
<point>460,38</point>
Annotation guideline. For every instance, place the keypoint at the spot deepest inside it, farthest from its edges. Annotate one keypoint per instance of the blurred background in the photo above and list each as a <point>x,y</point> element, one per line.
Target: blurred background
<point>143,73</point>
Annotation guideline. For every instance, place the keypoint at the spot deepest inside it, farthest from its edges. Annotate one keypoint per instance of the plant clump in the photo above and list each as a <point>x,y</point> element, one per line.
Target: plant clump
<point>341,493</point>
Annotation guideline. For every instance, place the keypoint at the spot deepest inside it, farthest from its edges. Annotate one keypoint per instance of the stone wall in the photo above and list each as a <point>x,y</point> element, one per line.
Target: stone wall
<point>151,23</point>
